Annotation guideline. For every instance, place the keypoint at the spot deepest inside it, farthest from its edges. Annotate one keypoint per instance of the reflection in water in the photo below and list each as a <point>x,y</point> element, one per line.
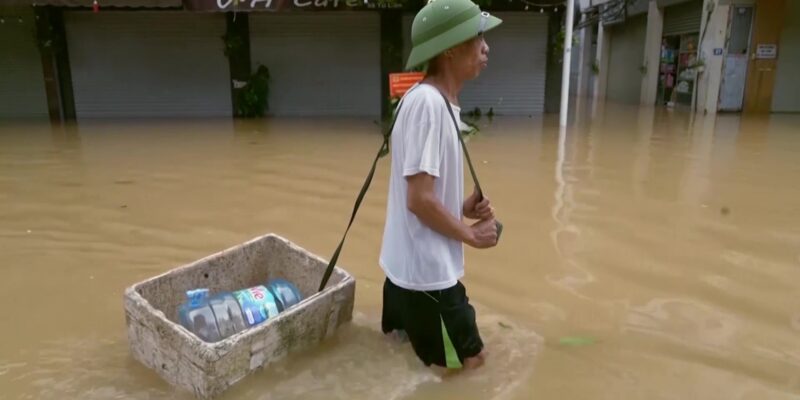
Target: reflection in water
<point>558,207</point>
<point>671,239</point>
<point>644,137</point>
<point>565,235</point>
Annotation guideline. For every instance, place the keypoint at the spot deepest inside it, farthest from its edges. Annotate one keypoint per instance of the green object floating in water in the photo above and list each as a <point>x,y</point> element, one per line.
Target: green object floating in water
<point>576,341</point>
<point>504,325</point>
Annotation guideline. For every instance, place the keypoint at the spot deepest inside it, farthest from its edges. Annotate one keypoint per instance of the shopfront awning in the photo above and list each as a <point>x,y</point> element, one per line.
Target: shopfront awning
<point>101,3</point>
<point>224,5</point>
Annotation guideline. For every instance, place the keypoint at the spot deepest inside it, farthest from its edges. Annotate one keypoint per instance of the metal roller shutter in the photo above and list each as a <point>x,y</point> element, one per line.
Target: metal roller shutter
<point>22,92</point>
<point>321,63</point>
<point>625,58</point>
<point>148,64</point>
<point>683,18</point>
<point>514,82</point>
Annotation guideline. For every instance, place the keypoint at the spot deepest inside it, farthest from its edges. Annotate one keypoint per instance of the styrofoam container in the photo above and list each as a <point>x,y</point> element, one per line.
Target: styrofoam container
<point>159,342</point>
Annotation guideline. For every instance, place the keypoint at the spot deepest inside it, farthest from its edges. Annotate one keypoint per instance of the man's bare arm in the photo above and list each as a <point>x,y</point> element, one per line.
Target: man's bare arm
<point>423,203</point>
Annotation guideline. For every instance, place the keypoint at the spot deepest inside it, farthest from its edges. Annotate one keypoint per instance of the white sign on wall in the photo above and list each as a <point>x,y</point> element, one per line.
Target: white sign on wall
<point>767,51</point>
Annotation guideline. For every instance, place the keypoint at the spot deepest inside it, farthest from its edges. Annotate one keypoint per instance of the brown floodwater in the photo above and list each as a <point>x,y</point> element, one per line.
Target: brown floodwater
<point>666,247</point>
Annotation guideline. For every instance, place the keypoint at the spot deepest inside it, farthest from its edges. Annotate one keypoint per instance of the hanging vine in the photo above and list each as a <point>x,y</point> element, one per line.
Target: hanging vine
<point>253,98</point>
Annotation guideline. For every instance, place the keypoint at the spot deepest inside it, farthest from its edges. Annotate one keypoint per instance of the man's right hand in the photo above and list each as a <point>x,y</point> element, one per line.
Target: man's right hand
<point>483,234</point>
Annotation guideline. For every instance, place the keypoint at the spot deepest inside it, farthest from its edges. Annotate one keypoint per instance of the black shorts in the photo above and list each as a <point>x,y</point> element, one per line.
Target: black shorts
<point>440,324</point>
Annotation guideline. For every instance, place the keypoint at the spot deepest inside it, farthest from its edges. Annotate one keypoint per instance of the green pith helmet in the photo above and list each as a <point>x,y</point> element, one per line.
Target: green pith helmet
<point>443,24</point>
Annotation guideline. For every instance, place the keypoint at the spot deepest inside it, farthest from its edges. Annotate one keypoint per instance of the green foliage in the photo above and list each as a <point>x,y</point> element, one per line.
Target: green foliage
<point>558,44</point>
<point>253,98</point>
<point>233,43</point>
<point>473,128</point>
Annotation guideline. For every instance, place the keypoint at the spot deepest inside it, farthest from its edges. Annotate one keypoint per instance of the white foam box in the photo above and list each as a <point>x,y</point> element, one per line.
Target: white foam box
<point>159,342</point>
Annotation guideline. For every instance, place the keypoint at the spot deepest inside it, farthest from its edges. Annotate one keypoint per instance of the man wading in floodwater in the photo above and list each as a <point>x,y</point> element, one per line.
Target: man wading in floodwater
<point>422,253</point>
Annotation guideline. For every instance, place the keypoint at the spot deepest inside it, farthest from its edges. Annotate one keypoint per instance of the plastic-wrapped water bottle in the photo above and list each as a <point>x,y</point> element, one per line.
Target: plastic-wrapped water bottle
<point>211,318</point>
<point>224,314</point>
<point>286,293</point>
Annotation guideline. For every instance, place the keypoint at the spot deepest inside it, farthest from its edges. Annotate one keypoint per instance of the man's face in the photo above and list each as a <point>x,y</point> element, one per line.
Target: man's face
<point>471,57</point>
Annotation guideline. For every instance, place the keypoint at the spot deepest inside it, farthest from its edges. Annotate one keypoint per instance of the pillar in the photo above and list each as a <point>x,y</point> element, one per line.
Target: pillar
<point>652,53</point>
<point>713,33</point>
<point>52,37</point>
<point>237,38</point>
<point>586,59</point>
<point>552,85</point>
<point>603,54</point>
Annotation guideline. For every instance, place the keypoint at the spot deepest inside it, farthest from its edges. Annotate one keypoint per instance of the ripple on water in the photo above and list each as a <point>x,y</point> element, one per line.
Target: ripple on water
<point>358,363</point>
<point>362,364</point>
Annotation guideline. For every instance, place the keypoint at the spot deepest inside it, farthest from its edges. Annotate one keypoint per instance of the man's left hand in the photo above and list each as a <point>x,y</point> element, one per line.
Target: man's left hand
<point>474,209</point>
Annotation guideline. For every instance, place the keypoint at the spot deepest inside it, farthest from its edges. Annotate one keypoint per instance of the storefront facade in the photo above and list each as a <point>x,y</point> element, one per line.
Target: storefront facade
<point>679,53</point>
<point>711,55</point>
<point>193,58</point>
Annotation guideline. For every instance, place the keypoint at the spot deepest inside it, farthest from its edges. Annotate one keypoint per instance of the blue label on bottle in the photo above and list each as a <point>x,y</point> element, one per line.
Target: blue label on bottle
<point>257,303</point>
<point>197,297</point>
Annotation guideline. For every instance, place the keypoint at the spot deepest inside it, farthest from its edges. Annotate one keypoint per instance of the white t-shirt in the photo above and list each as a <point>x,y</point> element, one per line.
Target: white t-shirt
<point>424,139</point>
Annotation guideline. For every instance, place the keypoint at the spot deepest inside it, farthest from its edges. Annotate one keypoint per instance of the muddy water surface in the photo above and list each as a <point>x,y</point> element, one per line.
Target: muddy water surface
<point>669,247</point>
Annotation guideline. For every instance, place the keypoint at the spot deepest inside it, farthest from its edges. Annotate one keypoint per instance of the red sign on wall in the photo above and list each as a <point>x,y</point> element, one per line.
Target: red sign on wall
<point>399,83</point>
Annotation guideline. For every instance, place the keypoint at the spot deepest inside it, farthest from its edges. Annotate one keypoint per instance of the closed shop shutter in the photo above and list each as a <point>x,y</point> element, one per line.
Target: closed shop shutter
<point>683,18</point>
<point>514,82</point>
<point>22,92</point>
<point>148,64</point>
<point>321,63</point>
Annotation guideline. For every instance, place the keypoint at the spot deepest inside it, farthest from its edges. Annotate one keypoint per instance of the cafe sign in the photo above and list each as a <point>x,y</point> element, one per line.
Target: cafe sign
<point>290,5</point>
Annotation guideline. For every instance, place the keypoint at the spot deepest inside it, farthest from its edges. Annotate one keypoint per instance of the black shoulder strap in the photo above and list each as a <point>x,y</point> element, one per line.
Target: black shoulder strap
<point>469,161</point>
<point>384,150</point>
<point>463,145</point>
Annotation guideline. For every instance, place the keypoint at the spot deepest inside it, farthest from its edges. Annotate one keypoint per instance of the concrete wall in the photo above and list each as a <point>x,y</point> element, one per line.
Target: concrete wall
<point>575,65</point>
<point>585,54</point>
<point>786,97</point>
<point>600,81</point>
<point>652,53</point>
<point>625,61</point>
<point>710,80</point>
